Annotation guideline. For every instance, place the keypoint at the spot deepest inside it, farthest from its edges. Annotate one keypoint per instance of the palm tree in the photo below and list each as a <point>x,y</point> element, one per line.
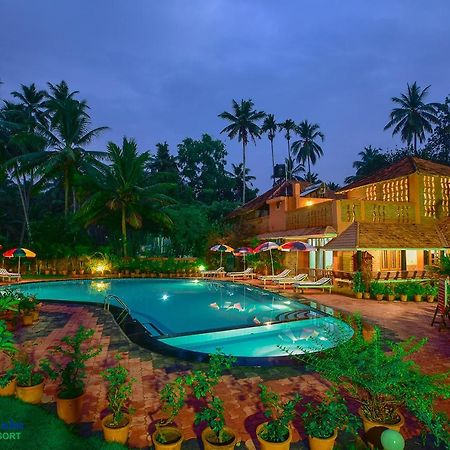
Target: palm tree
<point>270,126</point>
<point>332,186</point>
<point>243,125</point>
<point>372,159</point>
<point>237,176</point>
<point>412,118</point>
<point>69,134</point>
<point>293,169</point>
<point>307,149</point>
<point>312,177</point>
<point>121,187</point>
<point>289,126</point>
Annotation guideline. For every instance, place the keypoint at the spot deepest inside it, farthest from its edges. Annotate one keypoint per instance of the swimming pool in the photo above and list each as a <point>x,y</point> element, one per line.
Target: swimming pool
<point>201,316</point>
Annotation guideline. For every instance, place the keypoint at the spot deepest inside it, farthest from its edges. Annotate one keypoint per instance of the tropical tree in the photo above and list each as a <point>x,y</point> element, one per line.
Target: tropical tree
<point>332,186</point>
<point>243,125</point>
<point>289,127</point>
<point>69,134</point>
<point>293,169</point>
<point>237,176</point>
<point>371,160</point>
<point>413,117</point>
<point>120,188</point>
<point>312,177</point>
<point>270,127</point>
<point>307,149</point>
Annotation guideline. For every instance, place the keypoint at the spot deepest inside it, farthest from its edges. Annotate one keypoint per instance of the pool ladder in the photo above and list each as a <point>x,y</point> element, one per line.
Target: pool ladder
<point>125,309</point>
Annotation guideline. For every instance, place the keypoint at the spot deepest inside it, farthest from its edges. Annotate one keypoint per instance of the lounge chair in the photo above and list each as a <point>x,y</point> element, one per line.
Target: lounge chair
<point>212,273</point>
<point>323,283</point>
<point>283,274</point>
<point>244,274</point>
<point>291,280</point>
<point>4,274</point>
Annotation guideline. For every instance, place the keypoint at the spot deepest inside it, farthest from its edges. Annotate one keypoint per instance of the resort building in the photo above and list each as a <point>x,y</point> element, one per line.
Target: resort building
<point>397,219</point>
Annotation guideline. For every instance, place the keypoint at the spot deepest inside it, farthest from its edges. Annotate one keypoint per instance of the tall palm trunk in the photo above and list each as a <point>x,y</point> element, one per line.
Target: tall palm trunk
<point>124,232</point>
<point>273,163</point>
<point>289,147</point>
<point>309,165</point>
<point>415,143</point>
<point>23,203</point>
<point>243,172</point>
<point>66,191</point>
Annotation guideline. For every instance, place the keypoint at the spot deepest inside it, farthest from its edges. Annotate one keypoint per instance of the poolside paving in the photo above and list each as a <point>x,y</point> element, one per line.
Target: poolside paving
<point>239,388</point>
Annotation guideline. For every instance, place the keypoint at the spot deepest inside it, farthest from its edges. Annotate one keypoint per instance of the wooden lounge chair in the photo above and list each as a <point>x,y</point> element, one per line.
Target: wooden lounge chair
<point>323,283</point>
<point>291,280</point>
<point>247,273</point>
<point>283,274</point>
<point>212,273</point>
<point>4,274</point>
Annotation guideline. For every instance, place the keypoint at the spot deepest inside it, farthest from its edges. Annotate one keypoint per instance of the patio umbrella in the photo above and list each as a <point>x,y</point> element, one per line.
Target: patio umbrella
<point>19,253</point>
<point>267,246</point>
<point>242,251</point>
<point>222,248</point>
<point>296,246</point>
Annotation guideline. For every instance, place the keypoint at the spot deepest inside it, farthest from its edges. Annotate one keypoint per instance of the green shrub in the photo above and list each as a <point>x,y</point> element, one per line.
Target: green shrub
<point>377,288</point>
<point>358,284</point>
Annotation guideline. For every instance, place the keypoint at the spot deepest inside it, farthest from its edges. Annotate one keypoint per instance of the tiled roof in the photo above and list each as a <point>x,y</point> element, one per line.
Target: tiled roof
<point>405,166</point>
<point>299,233</point>
<point>276,191</point>
<point>362,236</point>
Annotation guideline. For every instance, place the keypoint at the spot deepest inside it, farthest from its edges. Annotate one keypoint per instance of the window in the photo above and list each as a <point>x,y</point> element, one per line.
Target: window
<point>391,259</point>
<point>445,187</point>
<point>429,197</point>
<point>396,191</point>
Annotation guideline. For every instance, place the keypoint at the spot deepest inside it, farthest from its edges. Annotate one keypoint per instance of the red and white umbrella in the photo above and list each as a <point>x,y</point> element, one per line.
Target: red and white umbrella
<point>222,248</point>
<point>242,251</point>
<point>296,246</point>
<point>267,247</point>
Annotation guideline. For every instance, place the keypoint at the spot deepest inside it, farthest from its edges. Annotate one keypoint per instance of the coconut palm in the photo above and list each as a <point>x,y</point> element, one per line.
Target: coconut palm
<point>289,127</point>
<point>69,135</point>
<point>307,149</point>
<point>413,117</point>
<point>237,176</point>
<point>244,125</point>
<point>270,126</point>
<point>121,188</point>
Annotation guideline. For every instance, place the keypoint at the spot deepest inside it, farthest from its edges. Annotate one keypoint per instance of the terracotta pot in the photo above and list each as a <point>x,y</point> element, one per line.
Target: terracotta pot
<point>173,437</point>
<point>9,389</point>
<point>207,435</point>
<point>267,445</point>
<point>35,315</point>
<point>116,434</point>
<point>30,394</point>
<point>391,297</point>
<point>368,424</point>
<point>430,298</point>
<point>69,409</point>
<point>27,319</point>
<point>322,444</point>
<point>358,295</point>
<point>379,297</point>
<point>403,297</point>
<point>366,295</point>
<point>47,272</point>
<point>417,298</point>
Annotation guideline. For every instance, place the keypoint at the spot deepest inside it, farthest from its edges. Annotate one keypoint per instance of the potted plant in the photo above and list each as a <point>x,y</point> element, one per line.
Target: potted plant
<point>418,290</point>
<point>383,381</point>
<point>9,308</point>
<point>216,435</point>
<point>323,420</point>
<point>172,396</point>
<point>377,290</point>
<point>402,290</point>
<point>27,304</point>
<point>389,292</point>
<point>7,347</point>
<point>67,362</point>
<point>276,433</point>
<point>431,291</point>
<point>29,378</point>
<point>116,425</point>
<point>358,285</point>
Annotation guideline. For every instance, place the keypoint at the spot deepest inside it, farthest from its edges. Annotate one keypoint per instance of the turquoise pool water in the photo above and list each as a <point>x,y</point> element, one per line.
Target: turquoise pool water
<point>204,315</point>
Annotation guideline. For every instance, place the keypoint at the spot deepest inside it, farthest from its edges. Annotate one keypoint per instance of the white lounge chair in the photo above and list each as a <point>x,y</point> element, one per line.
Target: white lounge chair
<point>323,283</point>
<point>283,274</point>
<point>212,273</point>
<point>246,273</point>
<point>291,280</point>
<point>4,274</point>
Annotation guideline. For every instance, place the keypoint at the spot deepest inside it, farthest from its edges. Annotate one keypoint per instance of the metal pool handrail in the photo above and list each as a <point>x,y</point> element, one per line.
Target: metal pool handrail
<point>125,309</point>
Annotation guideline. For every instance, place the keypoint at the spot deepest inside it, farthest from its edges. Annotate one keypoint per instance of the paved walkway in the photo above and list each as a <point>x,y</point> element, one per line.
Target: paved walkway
<point>239,389</point>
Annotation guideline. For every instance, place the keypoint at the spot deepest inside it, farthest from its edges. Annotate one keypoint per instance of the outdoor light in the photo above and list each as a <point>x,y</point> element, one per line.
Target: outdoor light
<point>100,268</point>
<point>309,203</point>
<point>201,268</point>
<point>196,280</point>
<point>165,297</point>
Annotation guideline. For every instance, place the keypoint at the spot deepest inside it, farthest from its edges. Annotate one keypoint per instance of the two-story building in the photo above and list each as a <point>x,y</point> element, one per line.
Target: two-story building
<point>399,215</point>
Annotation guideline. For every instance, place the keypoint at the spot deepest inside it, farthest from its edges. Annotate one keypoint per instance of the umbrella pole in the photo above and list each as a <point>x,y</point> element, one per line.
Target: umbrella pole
<point>244,261</point>
<point>18,267</point>
<point>271,260</point>
<point>221,252</point>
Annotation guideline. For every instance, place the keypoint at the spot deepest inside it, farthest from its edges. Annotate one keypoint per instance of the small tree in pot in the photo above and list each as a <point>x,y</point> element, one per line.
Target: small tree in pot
<point>217,434</point>
<point>29,378</point>
<point>277,430</point>
<point>7,347</point>
<point>358,285</point>
<point>68,364</point>
<point>116,425</point>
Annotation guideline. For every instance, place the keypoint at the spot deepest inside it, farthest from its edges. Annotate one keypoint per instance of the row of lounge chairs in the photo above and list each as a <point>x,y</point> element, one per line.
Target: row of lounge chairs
<point>5,275</point>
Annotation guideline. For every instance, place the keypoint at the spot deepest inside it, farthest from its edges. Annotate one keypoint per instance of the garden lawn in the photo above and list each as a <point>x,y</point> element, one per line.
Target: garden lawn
<point>41,430</point>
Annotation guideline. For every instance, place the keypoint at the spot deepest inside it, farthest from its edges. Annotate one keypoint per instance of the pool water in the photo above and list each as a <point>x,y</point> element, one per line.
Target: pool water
<point>203,315</point>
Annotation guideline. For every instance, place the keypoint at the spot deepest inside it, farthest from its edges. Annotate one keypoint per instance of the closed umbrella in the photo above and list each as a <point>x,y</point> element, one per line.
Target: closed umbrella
<point>222,248</point>
<point>296,246</point>
<point>267,246</point>
<point>19,253</point>
<point>242,251</point>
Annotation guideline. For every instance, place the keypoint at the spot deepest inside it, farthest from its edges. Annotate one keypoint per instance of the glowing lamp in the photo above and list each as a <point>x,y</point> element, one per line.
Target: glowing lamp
<point>201,268</point>
<point>165,297</point>
<point>309,203</point>
<point>392,440</point>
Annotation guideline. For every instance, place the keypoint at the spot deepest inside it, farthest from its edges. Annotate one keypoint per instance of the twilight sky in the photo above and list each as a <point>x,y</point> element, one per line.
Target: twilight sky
<point>163,70</point>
